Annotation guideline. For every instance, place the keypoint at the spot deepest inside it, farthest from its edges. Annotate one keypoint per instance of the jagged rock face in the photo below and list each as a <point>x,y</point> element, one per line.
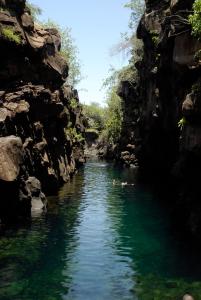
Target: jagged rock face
<point>29,53</point>
<point>41,132</point>
<point>128,142</point>
<point>10,158</point>
<point>166,105</point>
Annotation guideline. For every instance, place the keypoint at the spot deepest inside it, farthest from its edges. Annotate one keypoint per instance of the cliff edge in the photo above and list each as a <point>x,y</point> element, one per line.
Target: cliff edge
<point>162,110</point>
<point>41,121</point>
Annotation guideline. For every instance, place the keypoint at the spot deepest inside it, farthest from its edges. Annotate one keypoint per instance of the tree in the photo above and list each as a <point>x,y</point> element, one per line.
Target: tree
<point>137,8</point>
<point>68,48</point>
<point>35,10</point>
<point>128,73</point>
<point>129,42</point>
<point>114,115</point>
<point>69,51</point>
<point>95,115</point>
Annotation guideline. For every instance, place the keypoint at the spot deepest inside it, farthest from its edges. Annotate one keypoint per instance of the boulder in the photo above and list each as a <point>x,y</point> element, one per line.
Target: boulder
<point>7,19</point>
<point>11,150</point>
<point>36,39</point>
<point>27,21</point>
<point>20,107</point>
<point>38,199</point>
<point>188,106</point>
<point>58,64</point>
<point>34,186</point>
<point>185,49</point>
<point>4,114</point>
<point>55,37</point>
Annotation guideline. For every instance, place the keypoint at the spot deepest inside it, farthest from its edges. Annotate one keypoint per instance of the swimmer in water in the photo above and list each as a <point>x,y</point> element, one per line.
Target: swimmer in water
<point>114,182</point>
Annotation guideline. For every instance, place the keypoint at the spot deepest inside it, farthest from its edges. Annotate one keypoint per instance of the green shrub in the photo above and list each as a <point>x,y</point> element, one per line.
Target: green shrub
<point>73,103</point>
<point>74,135</point>
<point>182,123</point>
<point>69,51</point>
<point>113,124</point>
<point>35,10</point>
<point>10,35</point>
<point>197,56</point>
<point>154,37</point>
<point>95,115</point>
<point>195,19</point>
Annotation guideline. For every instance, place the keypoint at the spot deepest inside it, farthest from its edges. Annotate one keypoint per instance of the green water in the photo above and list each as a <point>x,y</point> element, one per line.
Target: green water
<point>99,242</point>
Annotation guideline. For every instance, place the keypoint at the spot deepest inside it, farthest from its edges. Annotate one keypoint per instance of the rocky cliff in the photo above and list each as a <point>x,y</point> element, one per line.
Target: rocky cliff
<point>41,121</point>
<point>163,109</point>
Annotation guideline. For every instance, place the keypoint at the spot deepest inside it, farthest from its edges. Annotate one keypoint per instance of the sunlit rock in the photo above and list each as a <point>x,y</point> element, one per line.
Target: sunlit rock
<point>10,158</point>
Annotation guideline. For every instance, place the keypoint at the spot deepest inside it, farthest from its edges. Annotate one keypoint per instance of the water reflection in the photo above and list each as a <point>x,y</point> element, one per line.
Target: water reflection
<point>97,271</point>
<point>32,258</point>
<point>94,243</point>
<point>144,231</point>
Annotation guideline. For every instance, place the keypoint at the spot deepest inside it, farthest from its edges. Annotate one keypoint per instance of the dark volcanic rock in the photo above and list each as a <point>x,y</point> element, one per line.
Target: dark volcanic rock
<point>10,158</point>
<point>41,134</point>
<point>162,111</point>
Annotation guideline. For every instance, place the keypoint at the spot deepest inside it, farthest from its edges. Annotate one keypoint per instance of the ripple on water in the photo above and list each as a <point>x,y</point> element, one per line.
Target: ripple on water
<point>98,242</point>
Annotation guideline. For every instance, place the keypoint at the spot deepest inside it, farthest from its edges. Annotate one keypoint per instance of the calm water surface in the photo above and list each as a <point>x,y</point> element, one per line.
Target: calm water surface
<point>93,243</point>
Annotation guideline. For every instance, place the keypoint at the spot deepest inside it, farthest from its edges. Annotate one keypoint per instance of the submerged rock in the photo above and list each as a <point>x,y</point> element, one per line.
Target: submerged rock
<point>38,199</point>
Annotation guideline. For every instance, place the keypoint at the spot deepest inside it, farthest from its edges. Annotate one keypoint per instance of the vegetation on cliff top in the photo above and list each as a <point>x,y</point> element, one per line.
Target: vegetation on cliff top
<point>129,42</point>
<point>35,10</point>
<point>69,51</point>
<point>108,120</point>
<point>137,8</point>
<point>68,48</point>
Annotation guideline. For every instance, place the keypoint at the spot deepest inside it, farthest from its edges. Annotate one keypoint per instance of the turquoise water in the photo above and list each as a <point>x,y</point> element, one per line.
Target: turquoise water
<point>93,243</point>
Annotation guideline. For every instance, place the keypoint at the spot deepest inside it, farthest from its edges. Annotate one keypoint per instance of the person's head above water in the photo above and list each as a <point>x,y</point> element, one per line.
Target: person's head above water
<point>187,297</point>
